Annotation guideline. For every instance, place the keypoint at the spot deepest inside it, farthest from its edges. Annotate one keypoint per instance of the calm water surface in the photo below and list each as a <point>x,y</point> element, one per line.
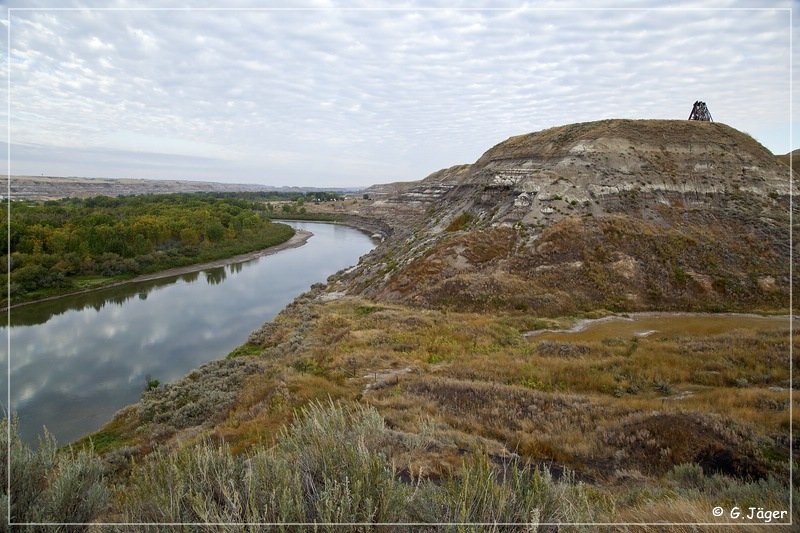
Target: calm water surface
<point>75,361</point>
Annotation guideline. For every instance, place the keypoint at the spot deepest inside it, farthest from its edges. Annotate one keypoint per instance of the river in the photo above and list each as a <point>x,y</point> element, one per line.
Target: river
<point>76,360</point>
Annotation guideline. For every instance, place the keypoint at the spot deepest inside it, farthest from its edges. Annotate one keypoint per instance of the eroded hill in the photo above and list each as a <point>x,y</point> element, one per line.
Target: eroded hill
<point>617,214</point>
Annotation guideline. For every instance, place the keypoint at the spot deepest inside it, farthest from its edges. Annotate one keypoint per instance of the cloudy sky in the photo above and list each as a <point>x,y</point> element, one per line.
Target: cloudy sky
<point>325,96</point>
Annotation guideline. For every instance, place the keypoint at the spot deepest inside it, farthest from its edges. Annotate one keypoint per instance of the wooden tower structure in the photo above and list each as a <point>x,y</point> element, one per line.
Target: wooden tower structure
<point>700,112</point>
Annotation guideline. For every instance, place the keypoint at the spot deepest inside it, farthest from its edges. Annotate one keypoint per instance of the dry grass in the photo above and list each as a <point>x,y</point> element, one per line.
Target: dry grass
<point>557,141</point>
<point>708,390</point>
<point>554,398</point>
<point>266,405</point>
<point>691,260</point>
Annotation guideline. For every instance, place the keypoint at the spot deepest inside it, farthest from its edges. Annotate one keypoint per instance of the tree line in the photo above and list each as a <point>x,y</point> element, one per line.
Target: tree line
<point>56,246</point>
<point>277,196</point>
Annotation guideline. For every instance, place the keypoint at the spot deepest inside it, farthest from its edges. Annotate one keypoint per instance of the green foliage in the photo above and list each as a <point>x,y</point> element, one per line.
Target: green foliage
<point>309,366</point>
<point>103,441</point>
<point>277,196</point>
<point>151,383</point>
<point>50,486</point>
<point>460,222</point>
<point>245,350</point>
<point>57,243</point>
<point>364,310</point>
<point>303,215</point>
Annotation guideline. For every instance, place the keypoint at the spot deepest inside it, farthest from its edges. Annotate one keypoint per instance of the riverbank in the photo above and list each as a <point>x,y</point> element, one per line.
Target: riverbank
<point>298,239</point>
<point>374,228</point>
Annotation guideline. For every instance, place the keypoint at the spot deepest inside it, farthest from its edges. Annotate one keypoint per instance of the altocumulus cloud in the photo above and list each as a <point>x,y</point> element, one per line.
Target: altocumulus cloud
<point>344,97</point>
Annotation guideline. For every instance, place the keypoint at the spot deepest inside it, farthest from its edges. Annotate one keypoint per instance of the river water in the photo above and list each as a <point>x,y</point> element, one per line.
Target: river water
<point>76,360</point>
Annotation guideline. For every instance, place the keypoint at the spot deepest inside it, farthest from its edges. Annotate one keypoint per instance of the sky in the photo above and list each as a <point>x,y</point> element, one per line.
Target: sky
<point>351,94</point>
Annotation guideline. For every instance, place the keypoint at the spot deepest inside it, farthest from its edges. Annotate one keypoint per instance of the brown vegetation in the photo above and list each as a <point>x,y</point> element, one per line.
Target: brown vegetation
<point>602,402</point>
<point>614,262</point>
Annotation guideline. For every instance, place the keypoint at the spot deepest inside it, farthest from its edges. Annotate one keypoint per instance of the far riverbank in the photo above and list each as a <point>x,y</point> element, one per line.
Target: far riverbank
<point>298,239</point>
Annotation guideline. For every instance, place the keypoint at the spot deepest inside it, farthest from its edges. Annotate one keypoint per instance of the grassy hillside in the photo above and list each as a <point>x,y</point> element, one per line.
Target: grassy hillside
<point>786,158</point>
<point>615,262</point>
<point>669,420</point>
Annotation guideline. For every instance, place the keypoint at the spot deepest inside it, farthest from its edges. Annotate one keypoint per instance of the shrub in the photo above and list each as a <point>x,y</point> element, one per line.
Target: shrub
<point>517,494</point>
<point>50,486</point>
<point>663,386</point>
<point>203,396</point>
<point>150,383</point>
<point>333,465</point>
<point>690,480</point>
<point>460,222</point>
<point>346,475</point>
<point>324,468</point>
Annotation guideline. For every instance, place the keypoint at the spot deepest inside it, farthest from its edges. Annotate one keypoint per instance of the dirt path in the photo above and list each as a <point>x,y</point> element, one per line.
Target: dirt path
<point>584,323</point>
<point>298,239</point>
<point>578,326</point>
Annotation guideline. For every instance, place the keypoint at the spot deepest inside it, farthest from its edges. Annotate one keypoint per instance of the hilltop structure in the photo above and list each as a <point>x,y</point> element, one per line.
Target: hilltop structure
<point>700,112</point>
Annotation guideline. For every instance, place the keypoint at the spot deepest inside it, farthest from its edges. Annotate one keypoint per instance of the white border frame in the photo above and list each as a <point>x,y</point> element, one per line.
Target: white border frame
<point>788,10</point>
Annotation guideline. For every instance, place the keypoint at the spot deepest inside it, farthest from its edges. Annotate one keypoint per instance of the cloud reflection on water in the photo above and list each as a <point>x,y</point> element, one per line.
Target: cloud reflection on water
<point>77,360</point>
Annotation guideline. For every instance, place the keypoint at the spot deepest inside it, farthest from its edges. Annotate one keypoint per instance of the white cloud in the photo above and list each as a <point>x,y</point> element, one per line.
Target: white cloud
<point>96,44</point>
<point>147,41</point>
<point>343,97</point>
